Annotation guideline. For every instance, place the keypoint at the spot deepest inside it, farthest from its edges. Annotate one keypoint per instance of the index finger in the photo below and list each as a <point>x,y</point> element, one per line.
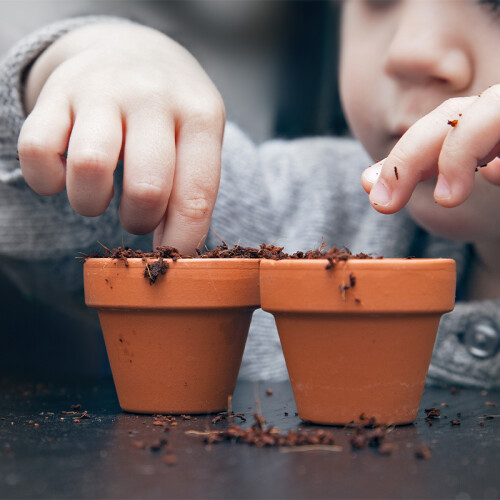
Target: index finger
<point>196,181</point>
<point>475,140</point>
<point>415,157</point>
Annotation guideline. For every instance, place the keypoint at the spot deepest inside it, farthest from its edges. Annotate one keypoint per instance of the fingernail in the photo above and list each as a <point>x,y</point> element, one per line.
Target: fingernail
<point>372,173</point>
<point>380,194</point>
<point>442,190</point>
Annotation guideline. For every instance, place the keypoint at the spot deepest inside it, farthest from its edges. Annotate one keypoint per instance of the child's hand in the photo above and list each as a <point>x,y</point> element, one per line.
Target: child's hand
<point>452,142</point>
<point>121,90</point>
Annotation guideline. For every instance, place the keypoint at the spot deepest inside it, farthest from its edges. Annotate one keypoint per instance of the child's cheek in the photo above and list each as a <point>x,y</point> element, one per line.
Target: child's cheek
<point>358,108</point>
<point>353,106</point>
<point>461,223</point>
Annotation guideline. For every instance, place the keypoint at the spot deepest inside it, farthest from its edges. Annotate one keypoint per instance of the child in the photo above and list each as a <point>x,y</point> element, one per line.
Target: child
<point>411,72</point>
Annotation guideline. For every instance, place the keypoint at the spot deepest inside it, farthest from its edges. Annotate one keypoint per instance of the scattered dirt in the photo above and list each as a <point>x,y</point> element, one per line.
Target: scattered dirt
<point>333,255</point>
<point>223,251</point>
<point>228,415</point>
<point>368,433</point>
<point>364,437</point>
<point>153,270</point>
<point>345,286</point>
<point>260,436</point>
<point>432,414</point>
<point>164,420</point>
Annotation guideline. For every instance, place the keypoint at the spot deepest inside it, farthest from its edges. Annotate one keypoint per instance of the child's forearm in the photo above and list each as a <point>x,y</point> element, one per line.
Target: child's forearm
<point>484,278</point>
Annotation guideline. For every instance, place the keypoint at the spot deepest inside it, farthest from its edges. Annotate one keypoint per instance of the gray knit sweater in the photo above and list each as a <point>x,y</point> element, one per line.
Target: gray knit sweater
<point>292,193</point>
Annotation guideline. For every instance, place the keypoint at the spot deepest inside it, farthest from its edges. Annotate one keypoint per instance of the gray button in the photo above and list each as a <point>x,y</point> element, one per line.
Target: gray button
<point>482,339</point>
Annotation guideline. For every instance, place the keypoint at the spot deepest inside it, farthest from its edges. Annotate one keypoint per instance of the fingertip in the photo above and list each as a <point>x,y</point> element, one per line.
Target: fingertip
<point>383,209</point>
<point>90,209</point>
<point>136,225</point>
<point>190,247</point>
<point>442,190</point>
<point>366,186</point>
<point>450,195</point>
<point>42,140</point>
<point>380,195</point>
<point>43,171</point>
<point>370,176</point>
<point>446,203</point>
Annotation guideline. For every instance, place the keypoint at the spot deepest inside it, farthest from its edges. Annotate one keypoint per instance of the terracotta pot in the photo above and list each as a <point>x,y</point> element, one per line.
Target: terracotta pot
<point>174,346</point>
<point>362,351</point>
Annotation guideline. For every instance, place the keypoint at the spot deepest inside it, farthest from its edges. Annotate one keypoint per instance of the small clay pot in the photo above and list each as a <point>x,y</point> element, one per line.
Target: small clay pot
<point>358,338</point>
<point>174,346</point>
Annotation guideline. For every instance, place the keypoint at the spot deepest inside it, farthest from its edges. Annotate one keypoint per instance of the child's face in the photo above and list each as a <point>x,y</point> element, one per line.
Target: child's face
<point>400,59</point>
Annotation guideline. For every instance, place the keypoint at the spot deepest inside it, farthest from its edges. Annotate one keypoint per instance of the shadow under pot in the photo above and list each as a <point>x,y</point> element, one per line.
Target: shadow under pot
<point>358,337</point>
<point>174,346</point>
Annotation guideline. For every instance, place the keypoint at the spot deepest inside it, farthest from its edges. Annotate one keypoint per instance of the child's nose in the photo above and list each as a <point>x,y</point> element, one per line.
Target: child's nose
<point>425,48</point>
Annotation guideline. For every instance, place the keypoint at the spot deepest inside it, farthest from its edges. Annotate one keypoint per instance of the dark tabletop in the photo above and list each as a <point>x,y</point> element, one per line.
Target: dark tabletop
<point>44,453</point>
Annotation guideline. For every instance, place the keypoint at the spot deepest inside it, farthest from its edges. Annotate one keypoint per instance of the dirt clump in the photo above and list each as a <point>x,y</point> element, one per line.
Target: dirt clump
<point>153,270</point>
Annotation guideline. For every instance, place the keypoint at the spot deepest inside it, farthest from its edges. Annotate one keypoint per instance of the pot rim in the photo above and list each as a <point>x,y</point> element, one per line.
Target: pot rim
<point>100,262</point>
<point>382,263</point>
<point>186,284</point>
<point>358,286</point>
